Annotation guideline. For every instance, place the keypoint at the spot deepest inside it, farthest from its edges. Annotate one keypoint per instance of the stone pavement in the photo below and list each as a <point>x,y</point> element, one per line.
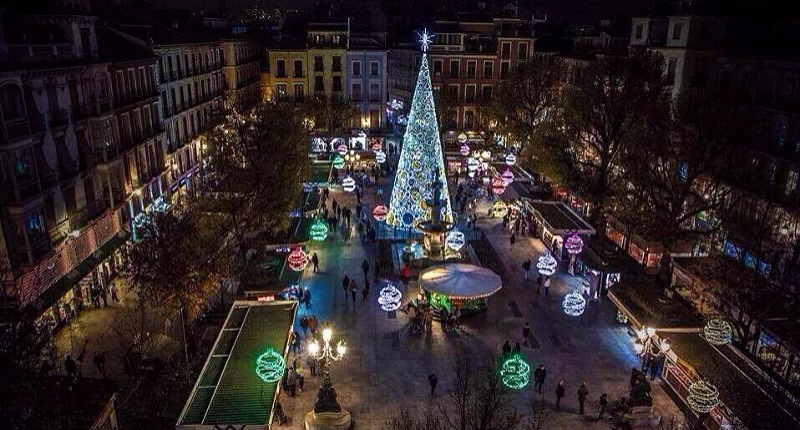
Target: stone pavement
<point>386,368</point>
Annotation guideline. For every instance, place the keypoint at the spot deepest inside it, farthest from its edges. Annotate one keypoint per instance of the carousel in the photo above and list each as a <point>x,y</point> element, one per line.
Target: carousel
<point>465,287</point>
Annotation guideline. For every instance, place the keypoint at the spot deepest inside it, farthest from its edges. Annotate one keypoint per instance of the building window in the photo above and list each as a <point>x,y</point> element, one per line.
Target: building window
<point>470,94</point>
<point>437,68</point>
<point>355,92</point>
<point>280,90</point>
<point>471,68</point>
<point>452,93</point>
<point>486,93</point>
<point>11,102</point>
<point>337,83</point>
<point>337,63</point>
<point>318,63</point>
<point>374,92</point>
<point>791,183</point>
<point>780,131</point>
<point>639,31</point>
<point>672,65</point>
<point>504,68</point>
<point>469,120</point>
<point>523,51</point>
<point>336,39</point>
<point>356,67</point>
<point>34,225</point>
<point>506,50</point>
<point>319,85</point>
<point>298,91</point>
<point>298,68</point>
<point>22,164</point>
<point>677,29</point>
<point>488,69</point>
<point>373,68</point>
<point>374,118</point>
<point>454,66</point>
<point>786,95</point>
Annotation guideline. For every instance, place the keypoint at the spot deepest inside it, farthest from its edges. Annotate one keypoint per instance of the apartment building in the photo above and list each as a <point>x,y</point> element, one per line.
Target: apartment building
<point>241,67</point>
<point>287,73</point>
<point>469,57</point>
<point>367,78</point>
<point>326,45</point>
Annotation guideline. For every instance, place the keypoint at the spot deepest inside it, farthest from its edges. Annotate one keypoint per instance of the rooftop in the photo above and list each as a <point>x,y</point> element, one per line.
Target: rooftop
<point>642,298</point>
<point>228,392</point>
<point>560,217</point>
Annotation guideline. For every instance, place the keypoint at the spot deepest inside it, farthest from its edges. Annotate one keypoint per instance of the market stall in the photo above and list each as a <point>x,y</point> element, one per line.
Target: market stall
<point>464,286</point>
<point>554,221</point>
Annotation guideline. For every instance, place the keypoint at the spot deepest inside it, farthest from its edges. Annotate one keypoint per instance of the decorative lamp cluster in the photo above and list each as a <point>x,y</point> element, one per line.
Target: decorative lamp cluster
<point>297,259</point>
<point>342,149</point>
<point>379,212</point>
<point>380,156</point>
<point>573,244</point>
<point>270,366</point>
<point>338,162</point>
<point>498,185</point>
<point>574,304</point>
<point>455,240</point>
<point>390,298</point>
<point>515,373</point>
<point>718,332</point>
<point>319,230</point>
<point>486,155</point>
<point>547,265</point>
<point>507,177</point>
<point>349,184</point>
<point>464,149</point>
<point>352,157</point>
<point>703,396</point>
<point>511,159</point>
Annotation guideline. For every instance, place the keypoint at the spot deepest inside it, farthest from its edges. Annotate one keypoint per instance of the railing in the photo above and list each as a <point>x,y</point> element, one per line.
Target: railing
<point>87,110</point>
<point>106,154</point>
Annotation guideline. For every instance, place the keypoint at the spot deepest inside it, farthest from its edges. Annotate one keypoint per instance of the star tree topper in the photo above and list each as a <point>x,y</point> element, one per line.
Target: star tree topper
<point>425,39</point>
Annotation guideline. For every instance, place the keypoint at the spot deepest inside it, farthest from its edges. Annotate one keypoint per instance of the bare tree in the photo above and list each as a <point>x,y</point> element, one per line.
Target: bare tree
<point>329,114</point>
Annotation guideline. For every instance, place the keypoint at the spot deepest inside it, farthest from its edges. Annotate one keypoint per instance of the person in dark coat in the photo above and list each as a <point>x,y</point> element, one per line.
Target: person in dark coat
<point>365,268</point>
<point>526,332</point>
<point>526,268</point>
<point>433,380</point>
<point>506,349</point>
<point>315,262</point>
<point>583,393</point>
<point>353,288</point>
<point>539,282</point>
<point>560,392</point>
<point>345,286</point>
<point>538,378</point>
<point>603,403</point>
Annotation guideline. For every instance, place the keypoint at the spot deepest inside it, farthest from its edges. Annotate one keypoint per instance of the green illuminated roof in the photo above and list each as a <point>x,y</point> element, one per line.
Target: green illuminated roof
<point>228,390</point>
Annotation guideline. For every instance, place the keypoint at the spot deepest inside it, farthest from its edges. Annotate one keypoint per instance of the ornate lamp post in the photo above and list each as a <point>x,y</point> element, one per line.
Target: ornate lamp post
<point>645,345</point>
<point>327,413</point>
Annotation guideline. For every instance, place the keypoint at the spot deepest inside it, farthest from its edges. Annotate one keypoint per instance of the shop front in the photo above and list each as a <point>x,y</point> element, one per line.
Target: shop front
<point>554,221</point>
<point>601,266</point>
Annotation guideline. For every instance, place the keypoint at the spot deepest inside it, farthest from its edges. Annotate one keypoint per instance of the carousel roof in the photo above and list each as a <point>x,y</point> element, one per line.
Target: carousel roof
<point>461,281</point>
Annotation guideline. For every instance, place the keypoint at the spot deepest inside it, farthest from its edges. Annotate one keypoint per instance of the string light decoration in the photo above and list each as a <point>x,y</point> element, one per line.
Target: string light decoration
<point>338,162</point>
<point>270,366</point>
<point>349,184</point>
<point>455,240</point>
<point>464,149</point>
<point>486,155</point>
<point>718,332</point>
<point>376,145</point>
<point>390,298</point>
<point>547,265</point>
<point>515,373</point>
<point>297,259</point>
<point>380,156</point>
<point>462,138</point>
<point>507,177</point>
<point>379,212</point>
<point>511,159</point>
<point>342,149</point>
<point>574,304</point>
<point>421,160</point>
<point>573,244</point>
<point>473,164</point>
<point>498,185</point>
<point>703,396</point>
<point>319,230</point>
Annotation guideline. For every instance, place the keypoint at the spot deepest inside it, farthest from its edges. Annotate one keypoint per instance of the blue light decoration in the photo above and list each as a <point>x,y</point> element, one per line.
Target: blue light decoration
<point>319,230</point>
<point>421,160</point>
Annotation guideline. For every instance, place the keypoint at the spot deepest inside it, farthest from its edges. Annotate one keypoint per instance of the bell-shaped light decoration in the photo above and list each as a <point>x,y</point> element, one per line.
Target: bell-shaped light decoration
<point>338,162</point>
<point>349,184</point>
<point>574,304</point>
<point>473,164</point>
<point>342,149</point>
<point>297,260</point>
<point>511,159</point>
<point>462,138</point>
<point>464,150</point>
<point>703,396</point>
<point>379,212</point>
<point>573,244</point>
<point>319,230</point>
<point>547,265</point>
<point>455,240</point>
<point>718,332</point>
<point>486,155</point>
<point>498,186</point>
<point>380,156</point>
<point>507,177</point>
<point>390,298</point>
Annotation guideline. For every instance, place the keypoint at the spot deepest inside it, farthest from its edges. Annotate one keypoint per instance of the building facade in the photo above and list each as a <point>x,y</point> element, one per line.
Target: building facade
<point>241,67</point>
<point>367,80</point>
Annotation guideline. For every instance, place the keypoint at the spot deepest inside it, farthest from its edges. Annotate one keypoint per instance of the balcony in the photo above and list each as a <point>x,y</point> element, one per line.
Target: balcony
<point>26,189</point>
<point>15,129</point>
<point>106,154</point>
<point>89,110</point>
<point>57,117</point>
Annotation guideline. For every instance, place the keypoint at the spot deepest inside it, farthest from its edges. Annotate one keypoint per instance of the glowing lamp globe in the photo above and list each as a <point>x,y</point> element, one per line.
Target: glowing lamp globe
<point>574,304</point>
<point>379,212</point>
<point>547,265</point>
<point>342,149</point>
<point>515,373</point>
<point>473,164</point>
<point>573,244</point>
<point>507,176</point>
<point>462,138</point>
<point>297,260</point>
<point>390,298</point>
<point>349,184</point>
<point>455,240</point>
<point>486,155</point>
<point>511,159</point>
<point>270,366</point>
<point>498,186</point>
<point>338,162</point>
<point>464,150</point>
<point>703,397</point>
<point>380,157</point>
<point>718,332</point>
<point>319,230</point>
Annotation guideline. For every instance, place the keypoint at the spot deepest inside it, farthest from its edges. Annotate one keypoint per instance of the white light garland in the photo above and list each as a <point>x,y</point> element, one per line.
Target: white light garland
<point>718,332</point>
<point>380,156</point>
<point>473,164</point>
<point>342,149</point>
<point>462,138</point>
<point>349,184</point>
<point>390,298</point>
<point>547,265</point>
<point>464,150</point>
<point>703,396</point>
<point>573,244</point>
<point>507,177</point>
<point>511,159</point>
<point>455,240</point>
<point>574,304</point>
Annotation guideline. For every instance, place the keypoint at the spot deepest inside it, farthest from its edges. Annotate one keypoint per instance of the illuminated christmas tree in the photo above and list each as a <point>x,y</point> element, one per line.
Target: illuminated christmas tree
<point>421,160</point>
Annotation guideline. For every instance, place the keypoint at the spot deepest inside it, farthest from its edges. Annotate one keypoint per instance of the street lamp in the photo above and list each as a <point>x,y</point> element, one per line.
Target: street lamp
<point>326,397</point>
<point>645,345</point>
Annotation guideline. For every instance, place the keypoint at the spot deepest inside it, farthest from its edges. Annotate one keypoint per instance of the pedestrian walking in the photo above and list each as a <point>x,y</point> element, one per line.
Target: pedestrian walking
<point>70,366</point>
<point>304,324</point>
<point>301,381</point>
<point>113,291</point>
<point>560,391</point>
<point>526,331</point>
<point>513,239</point>
<point>583,393</point>
<point>291,382</point>
<point>517,349</point>
<point>312,325</point>
<point>315,262</point>
<point>307,297</point>
<point>506,349</point>
<point>365,292</point>
<point>526,268</point>
<point>365,268</point>
<point>539,282</point>
<point>547,286</point>
<point>353,288</point>
<point>100,363</point>
<point>539,376</point>
<point>345,286</point>
<point>312,365</point>
<point>603,403</point>
<point>433,380</point>
<point>295,343</point>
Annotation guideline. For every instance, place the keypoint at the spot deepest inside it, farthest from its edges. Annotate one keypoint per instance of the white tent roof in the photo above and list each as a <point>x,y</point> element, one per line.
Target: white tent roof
<point>461,281</point>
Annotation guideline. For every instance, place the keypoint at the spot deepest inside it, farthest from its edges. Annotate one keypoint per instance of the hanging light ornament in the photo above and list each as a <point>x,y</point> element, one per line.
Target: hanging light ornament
<point>455,240</point>
<point>270,366</point>
<point>703,396</point>
<point>319,230</point>
<point>498,186</point>
<point>547,265</point>
<point>376,145</point>
<point>464,150</point>
<point>390,298</point>
<point>718,332</point>
<point>462,138</point>
<point>507,176</point>
<point>349,184</point>
<point>574,304</point>
<point>379,212</point>
<point>473,164</point>
<point>297,259</point>
<point>573,244</point>
<point>341,149</point>
<point>338,162</point>
<point>511,159</point>
<point>380,157</point>
<point>486,155</point>
<point>515,373</point>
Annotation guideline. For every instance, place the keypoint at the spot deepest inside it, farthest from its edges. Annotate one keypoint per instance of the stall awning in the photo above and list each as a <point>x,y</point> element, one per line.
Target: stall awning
<point>461,281</point>
<point>560,219</point>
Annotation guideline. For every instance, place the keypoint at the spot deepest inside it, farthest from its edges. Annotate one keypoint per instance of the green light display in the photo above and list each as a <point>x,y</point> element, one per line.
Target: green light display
<point>270,366</point>
<point>515,373</point>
